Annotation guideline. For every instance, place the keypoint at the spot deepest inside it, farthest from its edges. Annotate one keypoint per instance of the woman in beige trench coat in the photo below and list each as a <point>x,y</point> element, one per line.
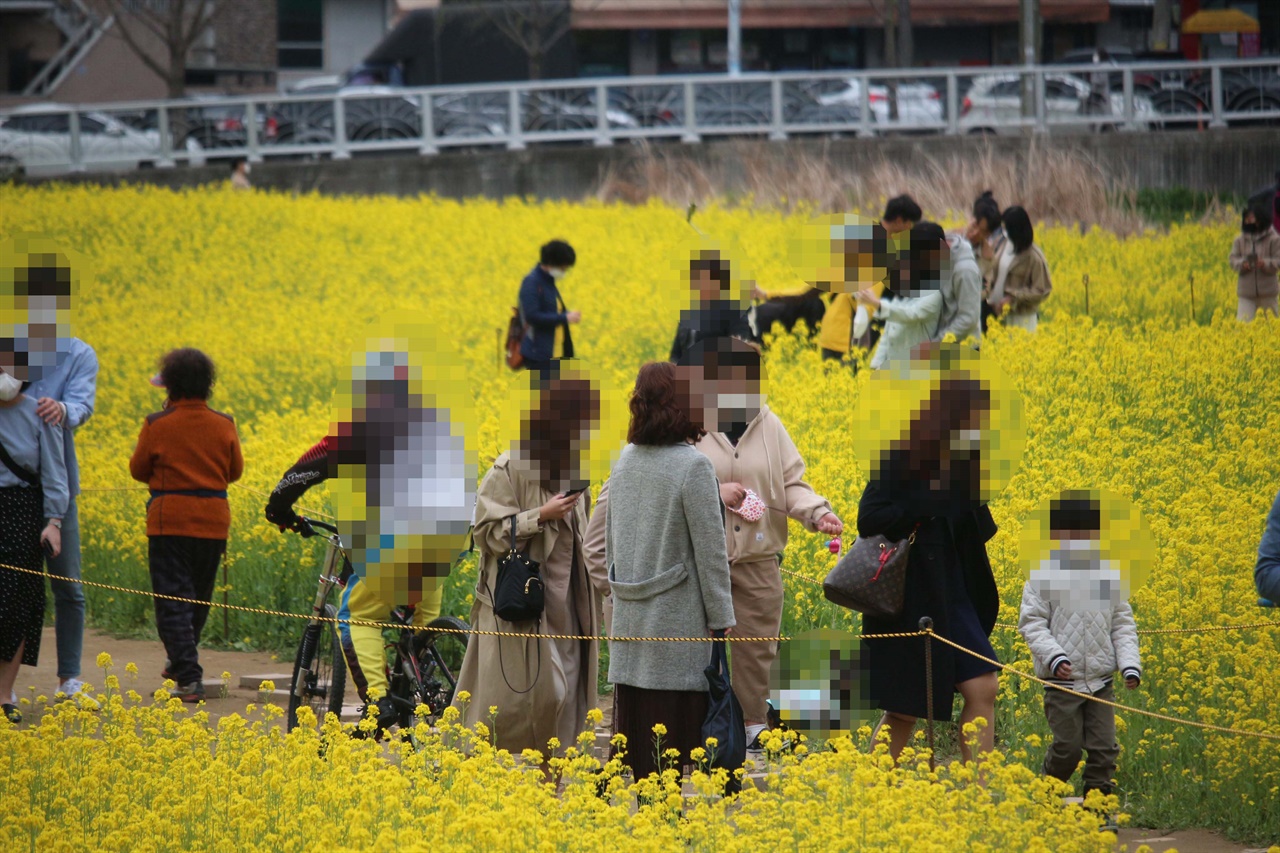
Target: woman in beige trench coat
<point>542,687</point>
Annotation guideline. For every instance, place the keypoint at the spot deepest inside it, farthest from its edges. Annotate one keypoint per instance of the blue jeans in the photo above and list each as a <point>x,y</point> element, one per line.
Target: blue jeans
<point>68,597</point>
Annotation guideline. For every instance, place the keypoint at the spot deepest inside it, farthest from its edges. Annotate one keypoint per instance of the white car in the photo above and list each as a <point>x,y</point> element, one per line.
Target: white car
<point>36,140</point>
<point>919,104</point>
<point>994,105</point>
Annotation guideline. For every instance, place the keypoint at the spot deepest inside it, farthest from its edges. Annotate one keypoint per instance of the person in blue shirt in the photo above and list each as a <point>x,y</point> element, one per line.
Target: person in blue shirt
<point>65,398</point>
<point>543,313</point>
<point>1266,574</point>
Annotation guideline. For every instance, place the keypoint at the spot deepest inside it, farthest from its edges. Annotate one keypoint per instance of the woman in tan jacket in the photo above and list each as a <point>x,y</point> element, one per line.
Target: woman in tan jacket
<point>1255,256</point>
<point>542,687</point>
<point>751,450</point>
<point>1021,273</point>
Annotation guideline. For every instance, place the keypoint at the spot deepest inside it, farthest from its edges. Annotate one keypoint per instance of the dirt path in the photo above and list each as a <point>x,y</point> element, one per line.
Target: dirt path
<point>247,669</point>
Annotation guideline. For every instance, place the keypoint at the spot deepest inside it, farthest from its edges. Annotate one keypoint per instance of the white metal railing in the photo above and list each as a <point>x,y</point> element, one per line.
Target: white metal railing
<point>1133,97</point>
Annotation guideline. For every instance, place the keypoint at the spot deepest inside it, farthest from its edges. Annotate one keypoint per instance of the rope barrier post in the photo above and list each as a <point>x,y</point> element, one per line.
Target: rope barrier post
<point>926,625</point>
<point>226,611</point>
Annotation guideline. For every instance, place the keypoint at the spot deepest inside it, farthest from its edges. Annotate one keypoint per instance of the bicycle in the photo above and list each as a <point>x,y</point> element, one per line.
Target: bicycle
<point>425,667</point>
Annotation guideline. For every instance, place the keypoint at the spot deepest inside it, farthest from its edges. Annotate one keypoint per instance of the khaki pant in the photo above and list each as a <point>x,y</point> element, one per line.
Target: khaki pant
<point>757,608</point>
<point>1248,307</point>
<point>1079,724</point>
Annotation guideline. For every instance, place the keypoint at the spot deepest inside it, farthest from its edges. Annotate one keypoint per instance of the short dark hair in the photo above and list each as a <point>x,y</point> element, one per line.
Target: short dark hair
<point>660,407</point>
<point>558,253</point>
<point>235,163</point>
<point>43,279</point>
<point>987,210</point>
<point>1017,227</point>
<point>902,207</point>
<point>717,356</point>
<point>710,261</point>
<point>1075,510</point>
<point>187,374</point>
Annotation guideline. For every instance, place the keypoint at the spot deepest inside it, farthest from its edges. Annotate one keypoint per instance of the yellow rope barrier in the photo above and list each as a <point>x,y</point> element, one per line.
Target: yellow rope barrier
<point>1206,629</point>
<point>261,611</point>
<point>1128,709</point>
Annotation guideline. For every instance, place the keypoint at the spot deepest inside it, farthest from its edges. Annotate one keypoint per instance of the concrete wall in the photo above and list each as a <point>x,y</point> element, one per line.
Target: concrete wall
<point>1232,161</point>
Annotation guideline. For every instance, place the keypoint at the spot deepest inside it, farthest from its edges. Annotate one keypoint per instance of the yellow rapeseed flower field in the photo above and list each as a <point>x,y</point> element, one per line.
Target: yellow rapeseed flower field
<point>1157,395</point>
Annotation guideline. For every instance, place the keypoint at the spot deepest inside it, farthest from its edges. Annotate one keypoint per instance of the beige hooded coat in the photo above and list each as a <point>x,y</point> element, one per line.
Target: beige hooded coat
<point>497,669</point>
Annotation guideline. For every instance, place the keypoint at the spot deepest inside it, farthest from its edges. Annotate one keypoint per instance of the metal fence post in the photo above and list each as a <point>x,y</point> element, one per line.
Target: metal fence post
<point>515,124</point>
<point>690,114</point>
<point>1215,76</point>
<point>340,151</point>
<point>864,107</point>
<point>166,138</point>
<point>425,106</point>
<point>251,132</point>
<point>1042,125</point>
<point>603,139</point>
<point>926,625</point>
<point>76,150</point>
<point>1127,76</point>
<point>953,104</point>
<point>776,131</point>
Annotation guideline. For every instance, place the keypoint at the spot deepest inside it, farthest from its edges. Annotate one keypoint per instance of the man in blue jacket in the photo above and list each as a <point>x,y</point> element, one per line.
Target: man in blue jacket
<point>65,397</point>
<point>1266,575</point>
<point>542,310</point>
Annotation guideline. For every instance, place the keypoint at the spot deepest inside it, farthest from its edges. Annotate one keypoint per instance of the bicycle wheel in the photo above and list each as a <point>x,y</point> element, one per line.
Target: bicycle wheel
<point>440,657</point>
<point>321,671</point>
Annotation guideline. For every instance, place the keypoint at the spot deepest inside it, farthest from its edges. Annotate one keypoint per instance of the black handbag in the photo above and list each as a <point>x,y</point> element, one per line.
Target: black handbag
<point>872,577</point>
<point>520,594</point>
<point>724,716</point>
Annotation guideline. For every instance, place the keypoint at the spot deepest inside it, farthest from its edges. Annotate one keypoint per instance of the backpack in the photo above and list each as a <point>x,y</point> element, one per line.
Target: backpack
<point>516,330</point>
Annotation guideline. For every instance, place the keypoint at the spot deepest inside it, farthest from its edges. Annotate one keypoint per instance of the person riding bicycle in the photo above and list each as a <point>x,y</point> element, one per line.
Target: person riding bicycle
<point>416,491</point>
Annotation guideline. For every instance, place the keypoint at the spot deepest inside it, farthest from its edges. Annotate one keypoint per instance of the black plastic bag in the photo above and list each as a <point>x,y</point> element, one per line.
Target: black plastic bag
<point>724,717</point>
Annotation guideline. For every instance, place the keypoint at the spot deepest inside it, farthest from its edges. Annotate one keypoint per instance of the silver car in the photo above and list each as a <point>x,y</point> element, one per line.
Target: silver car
<point>36,140</point>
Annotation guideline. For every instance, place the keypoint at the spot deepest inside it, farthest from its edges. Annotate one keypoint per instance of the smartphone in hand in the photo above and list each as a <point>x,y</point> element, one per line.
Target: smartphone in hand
<point>48,549</point>
<point>573,492</point>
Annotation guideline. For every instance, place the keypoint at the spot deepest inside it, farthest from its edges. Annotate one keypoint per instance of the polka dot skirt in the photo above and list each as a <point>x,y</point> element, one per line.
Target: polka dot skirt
<point>21,594</point>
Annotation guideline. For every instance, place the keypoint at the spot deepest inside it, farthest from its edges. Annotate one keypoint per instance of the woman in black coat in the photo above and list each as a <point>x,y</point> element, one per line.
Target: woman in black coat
<point>930,483</point>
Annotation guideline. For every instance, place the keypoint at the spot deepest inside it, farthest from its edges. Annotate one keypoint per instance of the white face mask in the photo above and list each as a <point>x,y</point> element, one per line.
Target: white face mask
<point>556,273</point>
<point>247,168</point>
<point>10,388</point>
<point>966,442</point>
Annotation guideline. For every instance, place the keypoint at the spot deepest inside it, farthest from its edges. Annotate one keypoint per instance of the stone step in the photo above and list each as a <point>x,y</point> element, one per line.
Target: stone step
<point>251,682</point>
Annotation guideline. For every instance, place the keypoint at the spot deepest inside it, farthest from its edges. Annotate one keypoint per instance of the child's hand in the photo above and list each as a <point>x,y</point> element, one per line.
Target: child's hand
<point>1063,671</point>
<point>1131,682</point>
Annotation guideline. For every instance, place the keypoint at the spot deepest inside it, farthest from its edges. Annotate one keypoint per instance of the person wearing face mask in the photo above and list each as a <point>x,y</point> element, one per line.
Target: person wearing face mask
<point>33,501</point>
<point>542,687</point>
<point>543,313</point>
<point>1255,256</point>
<point>929,485</point>
<point>912,303</point>
<point>762,484</point>
<point>1022,279</point>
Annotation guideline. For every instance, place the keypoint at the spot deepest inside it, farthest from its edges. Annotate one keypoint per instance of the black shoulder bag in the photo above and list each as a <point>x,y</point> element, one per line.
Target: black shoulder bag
<point>519,596</point>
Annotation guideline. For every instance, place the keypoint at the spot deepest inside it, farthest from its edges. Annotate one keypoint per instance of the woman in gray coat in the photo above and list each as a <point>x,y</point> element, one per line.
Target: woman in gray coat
<point>668,570</point>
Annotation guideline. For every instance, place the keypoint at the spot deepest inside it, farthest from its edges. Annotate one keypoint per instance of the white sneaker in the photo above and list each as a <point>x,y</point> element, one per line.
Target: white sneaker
<point>71,686</point>
<point>753,737</point>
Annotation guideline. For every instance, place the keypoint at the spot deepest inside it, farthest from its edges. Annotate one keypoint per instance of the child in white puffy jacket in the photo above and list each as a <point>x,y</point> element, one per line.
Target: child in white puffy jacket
<point>1081,631</point>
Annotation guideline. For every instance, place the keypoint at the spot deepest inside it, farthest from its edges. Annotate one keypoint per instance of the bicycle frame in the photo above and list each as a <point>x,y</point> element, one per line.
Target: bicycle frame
<point>330,576</point>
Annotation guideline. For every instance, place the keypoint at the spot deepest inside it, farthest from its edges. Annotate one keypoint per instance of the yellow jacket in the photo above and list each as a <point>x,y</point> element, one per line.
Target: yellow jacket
<point>837,324</point>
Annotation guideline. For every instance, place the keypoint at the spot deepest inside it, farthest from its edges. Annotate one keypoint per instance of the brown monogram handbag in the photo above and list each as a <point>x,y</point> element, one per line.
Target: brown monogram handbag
<point>872,577</point>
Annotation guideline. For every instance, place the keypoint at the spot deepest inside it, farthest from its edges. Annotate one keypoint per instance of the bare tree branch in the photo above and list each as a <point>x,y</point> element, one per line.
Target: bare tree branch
<point>176,24</point>
<point>142,53</point>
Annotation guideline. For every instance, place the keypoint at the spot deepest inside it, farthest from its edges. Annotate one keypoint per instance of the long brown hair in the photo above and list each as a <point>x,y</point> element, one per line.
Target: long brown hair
<point>553,433</point>
<point>950,408</point>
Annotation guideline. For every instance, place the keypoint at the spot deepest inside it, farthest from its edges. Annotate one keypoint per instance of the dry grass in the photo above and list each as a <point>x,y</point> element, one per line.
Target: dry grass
<point>1055,185</point>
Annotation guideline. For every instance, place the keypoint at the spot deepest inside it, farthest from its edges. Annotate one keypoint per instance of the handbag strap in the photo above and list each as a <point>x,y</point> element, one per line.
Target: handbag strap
<point>512,519</point>
<point>28,477</point>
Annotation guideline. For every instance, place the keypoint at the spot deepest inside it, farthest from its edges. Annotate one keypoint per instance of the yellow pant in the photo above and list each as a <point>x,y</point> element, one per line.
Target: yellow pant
<point>362,645</point>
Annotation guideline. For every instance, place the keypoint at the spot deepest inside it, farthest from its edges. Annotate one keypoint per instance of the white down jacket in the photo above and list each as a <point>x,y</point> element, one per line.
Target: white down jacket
<point>1074,610</point>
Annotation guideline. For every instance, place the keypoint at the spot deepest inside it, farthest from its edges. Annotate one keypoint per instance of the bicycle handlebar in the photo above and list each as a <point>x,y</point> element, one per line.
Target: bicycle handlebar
<point>311,522</point>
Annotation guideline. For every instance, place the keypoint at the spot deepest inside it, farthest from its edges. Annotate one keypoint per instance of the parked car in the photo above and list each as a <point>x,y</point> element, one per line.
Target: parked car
<point>36,139</point>
<point>919,104</point>
<point>994,104</point>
